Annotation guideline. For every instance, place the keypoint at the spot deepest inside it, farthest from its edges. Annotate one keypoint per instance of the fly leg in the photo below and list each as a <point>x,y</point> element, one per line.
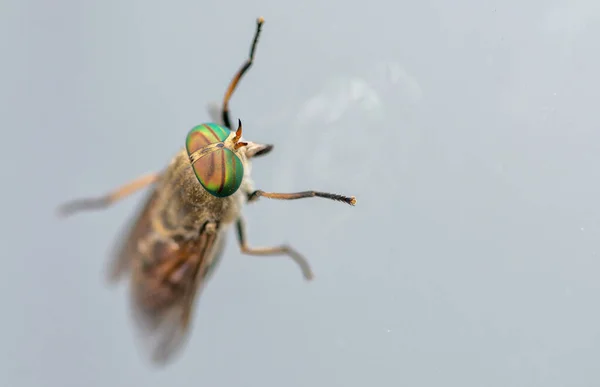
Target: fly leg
<point>269,251</point>
<point>301,195</point>
<point>101,202</point>
<point>238,76</point>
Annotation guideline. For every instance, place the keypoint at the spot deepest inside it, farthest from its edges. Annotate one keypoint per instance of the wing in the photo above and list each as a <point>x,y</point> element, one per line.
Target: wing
<point>126,249</point>
<point>167,276</point>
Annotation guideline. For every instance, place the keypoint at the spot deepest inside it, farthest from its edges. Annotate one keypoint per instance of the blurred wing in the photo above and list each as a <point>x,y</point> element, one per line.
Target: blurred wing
<point>166,278</point>
<point>126,249</point>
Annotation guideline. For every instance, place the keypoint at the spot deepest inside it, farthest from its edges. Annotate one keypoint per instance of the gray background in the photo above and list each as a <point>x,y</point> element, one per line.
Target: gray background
<point>466,129</point>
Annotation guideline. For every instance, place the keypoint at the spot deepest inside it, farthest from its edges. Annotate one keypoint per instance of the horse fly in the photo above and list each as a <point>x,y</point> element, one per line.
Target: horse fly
<point>177,238</point>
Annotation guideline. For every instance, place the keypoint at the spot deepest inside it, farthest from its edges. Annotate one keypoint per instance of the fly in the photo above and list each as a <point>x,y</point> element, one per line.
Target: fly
<point>177,238</point>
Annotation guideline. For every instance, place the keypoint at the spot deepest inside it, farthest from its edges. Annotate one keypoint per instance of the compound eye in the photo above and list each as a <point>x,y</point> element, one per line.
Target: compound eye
<point>220,171</point>
<point>205,134</point>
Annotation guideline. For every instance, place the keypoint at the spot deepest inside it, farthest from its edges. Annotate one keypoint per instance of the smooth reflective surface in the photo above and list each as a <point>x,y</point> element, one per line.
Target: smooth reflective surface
<point>466,130</point>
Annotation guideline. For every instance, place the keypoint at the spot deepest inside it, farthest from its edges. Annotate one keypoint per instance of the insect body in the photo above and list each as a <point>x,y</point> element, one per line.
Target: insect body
<point>177,239</point>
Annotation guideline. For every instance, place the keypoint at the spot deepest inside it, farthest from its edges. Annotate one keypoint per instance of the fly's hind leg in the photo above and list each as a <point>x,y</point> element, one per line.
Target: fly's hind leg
<point>101,202</point>
<point>269,251</point>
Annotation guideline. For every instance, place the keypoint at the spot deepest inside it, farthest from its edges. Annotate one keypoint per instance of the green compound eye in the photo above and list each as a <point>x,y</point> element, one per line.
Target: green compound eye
<point>219,170</point>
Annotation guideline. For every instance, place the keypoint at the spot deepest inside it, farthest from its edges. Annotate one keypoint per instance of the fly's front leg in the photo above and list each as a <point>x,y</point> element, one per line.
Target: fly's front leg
<point>268,251</point>
<point>104,201</point>
<point>301,195</point>
<point>238,76</point>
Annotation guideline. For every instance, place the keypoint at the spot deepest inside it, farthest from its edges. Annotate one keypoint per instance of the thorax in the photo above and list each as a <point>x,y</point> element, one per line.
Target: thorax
<point>183,203</point>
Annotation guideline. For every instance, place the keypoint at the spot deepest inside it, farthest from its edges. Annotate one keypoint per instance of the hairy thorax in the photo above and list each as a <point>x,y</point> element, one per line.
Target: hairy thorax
<point>184,203</point>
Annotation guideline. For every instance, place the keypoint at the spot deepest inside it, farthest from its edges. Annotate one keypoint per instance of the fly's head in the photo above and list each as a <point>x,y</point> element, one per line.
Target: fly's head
<point>221,158</point>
